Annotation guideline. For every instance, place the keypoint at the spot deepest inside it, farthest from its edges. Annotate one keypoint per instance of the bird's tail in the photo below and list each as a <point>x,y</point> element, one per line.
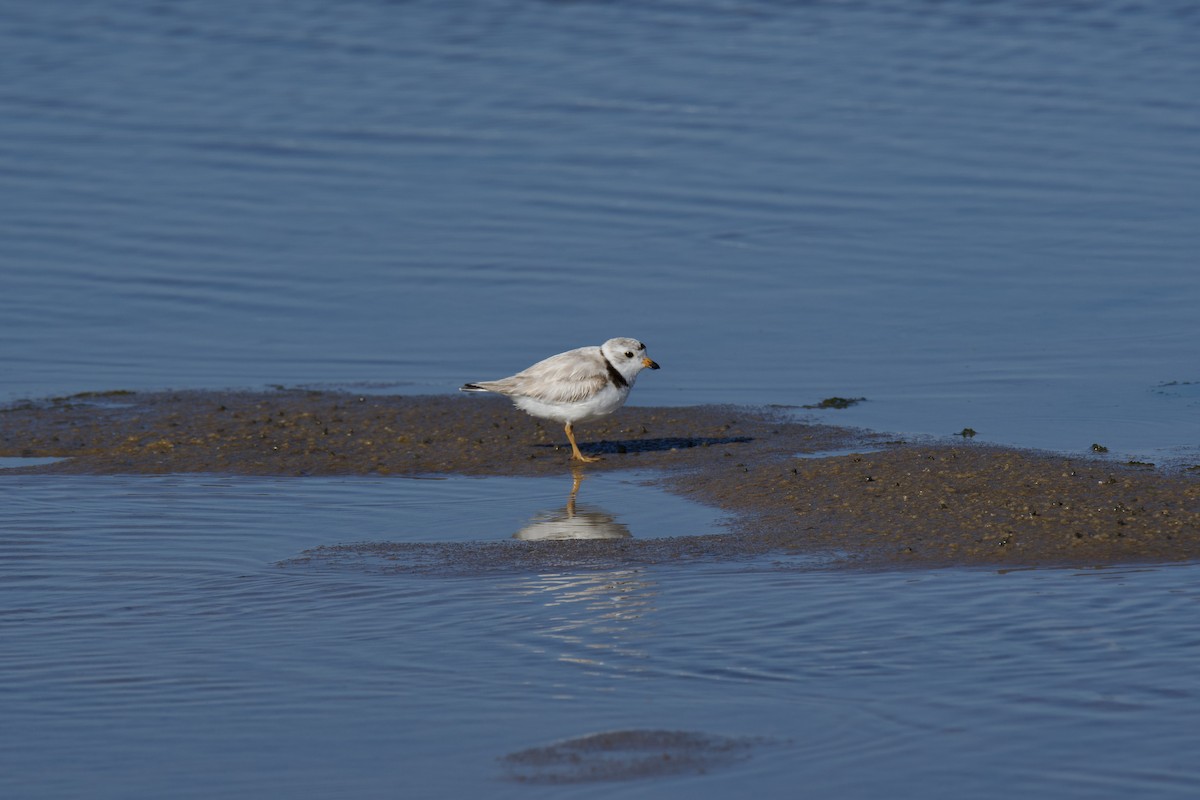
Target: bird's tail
<point>472,387</point>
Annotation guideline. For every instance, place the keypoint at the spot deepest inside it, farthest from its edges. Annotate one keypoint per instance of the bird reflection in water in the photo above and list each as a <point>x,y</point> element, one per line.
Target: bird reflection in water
<point>590,616</point>
<point>592,620</point>
<point>573,522</point>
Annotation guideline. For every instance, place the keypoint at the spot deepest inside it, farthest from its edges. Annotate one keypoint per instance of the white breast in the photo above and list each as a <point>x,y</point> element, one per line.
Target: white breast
<point>604,402</point>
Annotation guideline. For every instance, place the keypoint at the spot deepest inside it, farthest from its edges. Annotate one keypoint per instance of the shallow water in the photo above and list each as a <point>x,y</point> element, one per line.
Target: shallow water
<point>16,462</point>
<point>975,217</point>
<point>154,645</point>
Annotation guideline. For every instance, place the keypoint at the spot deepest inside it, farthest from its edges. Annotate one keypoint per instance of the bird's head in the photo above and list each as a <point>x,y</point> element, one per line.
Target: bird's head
<point>628,356</point>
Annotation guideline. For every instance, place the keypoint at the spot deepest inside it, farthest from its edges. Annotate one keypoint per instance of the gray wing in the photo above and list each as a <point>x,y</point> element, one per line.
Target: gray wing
<point>565,378</point>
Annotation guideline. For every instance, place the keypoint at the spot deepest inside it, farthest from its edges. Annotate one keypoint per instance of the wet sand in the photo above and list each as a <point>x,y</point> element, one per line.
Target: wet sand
<point>627,755</point>
<point>889,503</point>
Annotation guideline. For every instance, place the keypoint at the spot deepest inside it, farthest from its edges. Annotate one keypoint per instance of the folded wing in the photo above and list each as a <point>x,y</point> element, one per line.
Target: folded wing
<point>565,378</point>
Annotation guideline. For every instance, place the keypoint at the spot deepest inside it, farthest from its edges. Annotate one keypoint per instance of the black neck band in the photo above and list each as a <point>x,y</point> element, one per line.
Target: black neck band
<point>617,378</point>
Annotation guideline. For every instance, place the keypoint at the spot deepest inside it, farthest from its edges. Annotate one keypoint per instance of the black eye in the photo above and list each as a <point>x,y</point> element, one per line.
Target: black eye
<point>628,354</point>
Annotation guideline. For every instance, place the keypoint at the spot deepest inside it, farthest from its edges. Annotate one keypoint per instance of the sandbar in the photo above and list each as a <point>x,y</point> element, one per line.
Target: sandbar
<point>857,498</point>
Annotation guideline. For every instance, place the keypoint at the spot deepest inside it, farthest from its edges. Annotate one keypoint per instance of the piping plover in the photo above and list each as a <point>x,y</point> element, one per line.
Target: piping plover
<point>575,386</point>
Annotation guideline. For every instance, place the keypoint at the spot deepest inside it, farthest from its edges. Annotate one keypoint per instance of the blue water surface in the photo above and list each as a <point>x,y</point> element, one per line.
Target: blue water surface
<point>162,639</point>
<point>972,214</point>
<point>975,215</point>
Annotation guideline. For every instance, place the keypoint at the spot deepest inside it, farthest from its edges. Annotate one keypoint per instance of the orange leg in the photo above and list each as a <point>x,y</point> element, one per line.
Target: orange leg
<point>575,454</point>
<point>576,479</point>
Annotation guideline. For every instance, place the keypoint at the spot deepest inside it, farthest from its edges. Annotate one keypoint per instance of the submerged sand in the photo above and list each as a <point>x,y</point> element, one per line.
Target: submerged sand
<point>882,502</point>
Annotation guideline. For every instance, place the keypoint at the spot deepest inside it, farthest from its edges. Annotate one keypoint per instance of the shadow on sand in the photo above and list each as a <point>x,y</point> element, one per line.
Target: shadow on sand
<point>660,445</point>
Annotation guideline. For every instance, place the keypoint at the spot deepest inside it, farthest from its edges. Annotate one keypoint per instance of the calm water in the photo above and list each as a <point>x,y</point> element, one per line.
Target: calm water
<point>154,646</point>
<point>982,215</point>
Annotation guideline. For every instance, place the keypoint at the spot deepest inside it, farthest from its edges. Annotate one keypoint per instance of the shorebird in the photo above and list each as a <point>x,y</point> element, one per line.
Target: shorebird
<point>575,386</point>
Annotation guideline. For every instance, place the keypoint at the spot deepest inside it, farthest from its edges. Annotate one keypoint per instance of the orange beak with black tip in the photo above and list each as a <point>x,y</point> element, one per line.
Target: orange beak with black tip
<point>646,362</point>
